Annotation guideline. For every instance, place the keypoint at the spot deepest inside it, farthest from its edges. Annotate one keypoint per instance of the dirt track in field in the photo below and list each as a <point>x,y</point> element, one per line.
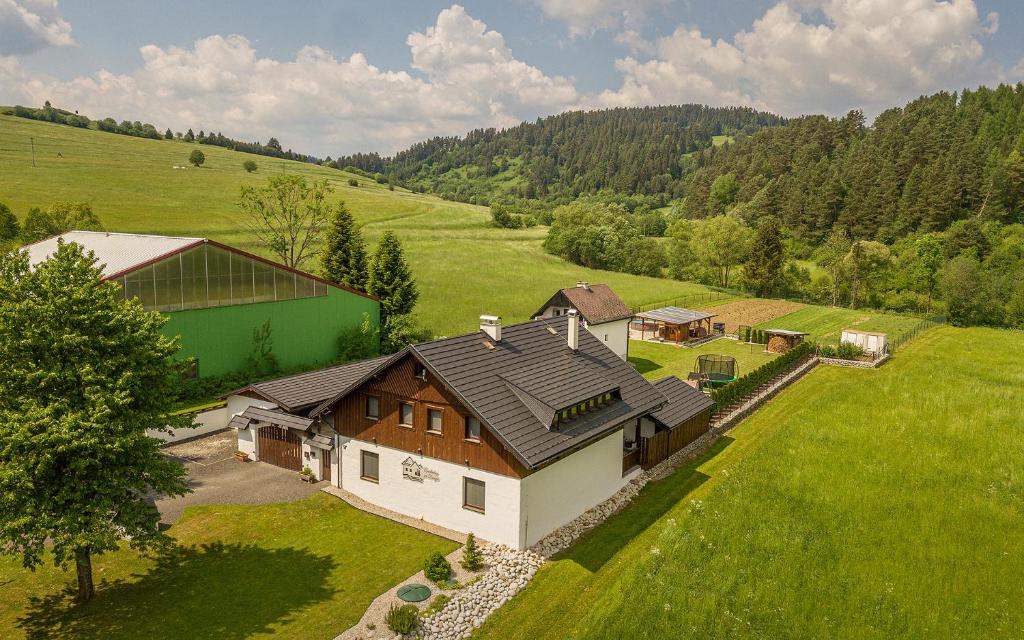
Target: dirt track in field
<point>751,312</point>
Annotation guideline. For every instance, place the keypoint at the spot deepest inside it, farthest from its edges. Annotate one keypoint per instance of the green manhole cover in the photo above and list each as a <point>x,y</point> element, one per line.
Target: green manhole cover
<point>414,592</point>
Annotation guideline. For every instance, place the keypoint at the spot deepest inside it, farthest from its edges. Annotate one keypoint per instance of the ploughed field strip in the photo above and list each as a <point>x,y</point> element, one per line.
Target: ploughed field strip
<point>751,312</point>
<point>858,503</point>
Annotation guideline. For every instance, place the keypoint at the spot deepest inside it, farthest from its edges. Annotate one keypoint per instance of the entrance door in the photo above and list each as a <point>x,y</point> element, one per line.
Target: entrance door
<point>325,469</point>
<point>281,447</point>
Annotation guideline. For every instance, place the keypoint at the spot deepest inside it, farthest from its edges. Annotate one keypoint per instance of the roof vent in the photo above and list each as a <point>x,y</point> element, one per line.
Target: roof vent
<point>491,325</point>
<point>574,329</point>
<point>488,345</point>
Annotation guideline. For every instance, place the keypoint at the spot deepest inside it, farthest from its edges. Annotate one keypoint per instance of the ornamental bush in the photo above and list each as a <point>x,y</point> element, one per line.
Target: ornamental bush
<point>437,567</point>
<point>402,619</point>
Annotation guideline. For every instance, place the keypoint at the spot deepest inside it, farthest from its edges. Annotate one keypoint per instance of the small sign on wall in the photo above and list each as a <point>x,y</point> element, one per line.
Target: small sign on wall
<point>412,470</point>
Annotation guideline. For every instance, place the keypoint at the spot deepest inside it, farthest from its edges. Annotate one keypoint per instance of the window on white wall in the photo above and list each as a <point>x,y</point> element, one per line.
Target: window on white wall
<point>473,491</point>
<point>369,466</point>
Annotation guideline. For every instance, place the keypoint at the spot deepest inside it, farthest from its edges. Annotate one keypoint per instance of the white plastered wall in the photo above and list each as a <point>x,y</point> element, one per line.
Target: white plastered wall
<point>558,493</point>
<point>437,501</point>
<point>614,335</point>
<point>247,439</point>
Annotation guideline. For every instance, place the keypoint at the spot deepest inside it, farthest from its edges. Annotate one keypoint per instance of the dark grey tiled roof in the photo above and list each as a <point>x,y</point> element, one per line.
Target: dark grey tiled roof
<point>304,391</point>
<point>540,364</point>
<point>684,402</point>
<point>279,418</point>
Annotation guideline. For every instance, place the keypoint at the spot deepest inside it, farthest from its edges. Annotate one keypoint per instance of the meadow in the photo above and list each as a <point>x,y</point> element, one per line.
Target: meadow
<point>465,267</point>
<point>857,504</point>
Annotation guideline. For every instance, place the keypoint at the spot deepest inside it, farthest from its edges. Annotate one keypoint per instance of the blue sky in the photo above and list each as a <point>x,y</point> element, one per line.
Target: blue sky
<point>335,77</point>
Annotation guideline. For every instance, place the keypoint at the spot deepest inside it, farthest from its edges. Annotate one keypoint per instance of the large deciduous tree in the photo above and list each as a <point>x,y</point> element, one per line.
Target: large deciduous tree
<point>722,244</point>
<point>763,268</point>
<point>288,215</point>
<point>343,259</point>
<point>84,374</point>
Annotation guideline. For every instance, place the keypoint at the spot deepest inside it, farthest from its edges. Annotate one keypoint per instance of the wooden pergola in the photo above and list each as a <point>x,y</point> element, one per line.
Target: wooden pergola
<point>674,324</point>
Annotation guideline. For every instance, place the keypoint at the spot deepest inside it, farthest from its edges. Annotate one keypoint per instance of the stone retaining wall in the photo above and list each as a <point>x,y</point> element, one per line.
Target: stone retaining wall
<point>855,364</point>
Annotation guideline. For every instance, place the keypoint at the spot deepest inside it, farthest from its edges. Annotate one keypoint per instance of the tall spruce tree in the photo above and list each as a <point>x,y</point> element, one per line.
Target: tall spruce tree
<point>763,268</point>
<point>85,374</point>
<point>343,259</point>
<point>390,279</point>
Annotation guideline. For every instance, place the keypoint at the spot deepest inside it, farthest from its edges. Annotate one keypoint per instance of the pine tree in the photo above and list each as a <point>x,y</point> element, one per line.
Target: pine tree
<point>763,269</point>
<point>343,259</point>
<point>389,279</point>
<point>85,374</point>
<point>472,559</point>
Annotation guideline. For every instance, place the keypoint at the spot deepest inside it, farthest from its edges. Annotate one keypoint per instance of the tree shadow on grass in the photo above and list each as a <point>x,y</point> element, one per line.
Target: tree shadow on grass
<point>210,591</point>
<point>643,365</point>
<point>598,546</point>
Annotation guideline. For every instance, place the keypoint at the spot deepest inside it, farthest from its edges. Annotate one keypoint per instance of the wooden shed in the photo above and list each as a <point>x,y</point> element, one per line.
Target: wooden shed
<point>782,340</point>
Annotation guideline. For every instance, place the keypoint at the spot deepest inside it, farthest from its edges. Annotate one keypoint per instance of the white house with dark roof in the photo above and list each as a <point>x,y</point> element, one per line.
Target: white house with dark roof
<point>600,311</point>
<point>508,432</point>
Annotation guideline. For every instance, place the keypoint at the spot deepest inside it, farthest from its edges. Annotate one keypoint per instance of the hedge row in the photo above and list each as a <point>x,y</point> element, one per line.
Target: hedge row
<point>724,396</point>
<point>757,336</point>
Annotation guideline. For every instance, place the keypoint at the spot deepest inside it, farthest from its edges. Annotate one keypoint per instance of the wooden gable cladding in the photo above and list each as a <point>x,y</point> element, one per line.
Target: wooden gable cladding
<point>398,384</point>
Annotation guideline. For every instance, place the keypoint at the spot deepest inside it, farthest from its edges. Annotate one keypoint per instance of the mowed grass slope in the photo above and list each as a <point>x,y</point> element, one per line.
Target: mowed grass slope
<point>857,504</point>
<point>305,569</point>
<point>465,266</point>
<point>825,324</point>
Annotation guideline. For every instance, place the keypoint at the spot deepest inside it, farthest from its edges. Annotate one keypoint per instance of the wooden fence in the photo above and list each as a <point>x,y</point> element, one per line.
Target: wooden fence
<point>908,335</point>
<point>688,302</point>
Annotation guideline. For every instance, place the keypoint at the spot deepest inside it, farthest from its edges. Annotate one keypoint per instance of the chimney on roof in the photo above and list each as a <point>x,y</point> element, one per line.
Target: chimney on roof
<point>574,330</point>
<point>583,284</point>
<point>491,325</point>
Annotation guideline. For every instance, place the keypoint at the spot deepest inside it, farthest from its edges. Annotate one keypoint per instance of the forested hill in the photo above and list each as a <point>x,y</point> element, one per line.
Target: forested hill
<point>632,150</point>
<point>918,168</point>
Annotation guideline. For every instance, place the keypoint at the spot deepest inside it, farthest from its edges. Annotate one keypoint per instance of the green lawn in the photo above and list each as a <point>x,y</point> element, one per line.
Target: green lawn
<point>304,569</point>
<point>857,504</point>
<point>656,361</point>
<point>465,266</point>
<point>825,324</point>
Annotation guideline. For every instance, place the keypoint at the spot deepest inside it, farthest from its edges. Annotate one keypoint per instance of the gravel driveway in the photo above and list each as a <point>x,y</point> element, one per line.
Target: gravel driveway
<point>217,478</point>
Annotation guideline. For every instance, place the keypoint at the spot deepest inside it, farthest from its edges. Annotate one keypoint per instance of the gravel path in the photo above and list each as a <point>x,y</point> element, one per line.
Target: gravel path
<point>217,478</point>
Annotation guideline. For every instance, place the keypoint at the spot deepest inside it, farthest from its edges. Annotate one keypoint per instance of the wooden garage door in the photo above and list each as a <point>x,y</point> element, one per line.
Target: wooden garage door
<point>281,447</point>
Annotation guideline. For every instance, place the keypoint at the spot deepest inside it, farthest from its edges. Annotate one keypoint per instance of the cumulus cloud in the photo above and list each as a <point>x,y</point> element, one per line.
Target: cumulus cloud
<point>584,17</point>
<point>818,55</point>
<point>316,102</point>
<point>27,26</point>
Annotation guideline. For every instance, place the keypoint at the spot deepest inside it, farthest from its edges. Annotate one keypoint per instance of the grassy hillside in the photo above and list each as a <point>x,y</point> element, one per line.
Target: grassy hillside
<point>825,324</point>
<point>465,266</point>
<point>857,504</point>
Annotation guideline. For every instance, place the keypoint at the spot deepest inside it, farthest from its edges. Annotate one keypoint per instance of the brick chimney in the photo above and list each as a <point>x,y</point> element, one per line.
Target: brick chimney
<point>574,329</point>
<point>491,325</point>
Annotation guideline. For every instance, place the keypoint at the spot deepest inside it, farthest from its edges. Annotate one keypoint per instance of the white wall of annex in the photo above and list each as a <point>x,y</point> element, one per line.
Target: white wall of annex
<point>614,335</point>
<point>436,501</point>
<point>561,491</point>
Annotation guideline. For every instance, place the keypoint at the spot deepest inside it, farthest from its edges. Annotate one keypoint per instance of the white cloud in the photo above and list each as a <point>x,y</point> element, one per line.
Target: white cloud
<point>584,17</point>
<point>29,25</point>
<point>317,103</point>
<point>867,53</point>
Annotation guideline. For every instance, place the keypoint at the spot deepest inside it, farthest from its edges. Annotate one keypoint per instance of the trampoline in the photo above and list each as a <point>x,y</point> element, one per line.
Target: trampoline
<point>717,370</point>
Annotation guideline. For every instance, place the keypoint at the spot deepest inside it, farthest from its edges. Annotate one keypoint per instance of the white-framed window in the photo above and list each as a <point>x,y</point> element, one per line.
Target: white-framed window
<point>405,413</point>
<point>369,466</point>
<point>472,428</point>
<point>473,494</point>
<point>372,407</point>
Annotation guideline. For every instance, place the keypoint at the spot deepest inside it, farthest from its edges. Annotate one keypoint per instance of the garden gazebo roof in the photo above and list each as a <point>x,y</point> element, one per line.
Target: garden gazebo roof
<point>675,315</point>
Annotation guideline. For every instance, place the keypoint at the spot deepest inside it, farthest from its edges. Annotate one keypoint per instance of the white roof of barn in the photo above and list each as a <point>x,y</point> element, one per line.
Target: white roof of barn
<point>115,252</point>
